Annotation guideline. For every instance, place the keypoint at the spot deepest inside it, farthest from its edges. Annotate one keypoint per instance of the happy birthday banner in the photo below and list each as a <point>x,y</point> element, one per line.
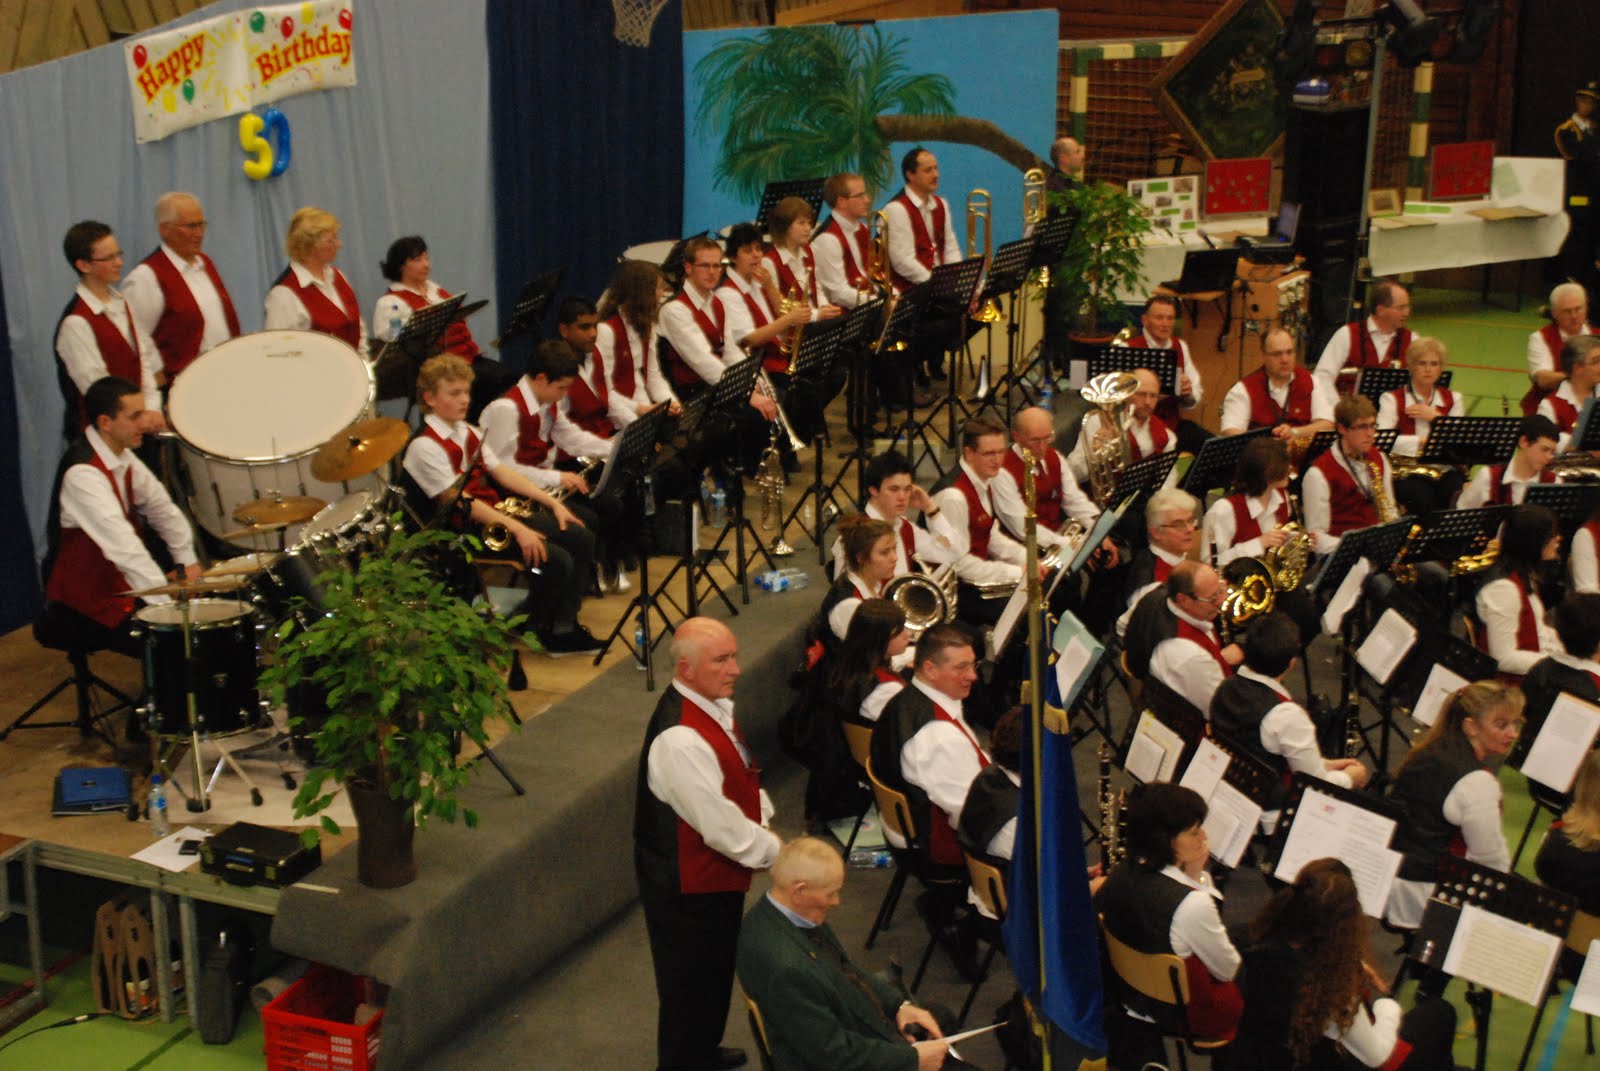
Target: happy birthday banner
<point>232,63</point>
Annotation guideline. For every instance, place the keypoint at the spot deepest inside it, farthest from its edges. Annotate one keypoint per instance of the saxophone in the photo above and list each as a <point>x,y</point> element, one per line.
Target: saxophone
<point>1380,493</point>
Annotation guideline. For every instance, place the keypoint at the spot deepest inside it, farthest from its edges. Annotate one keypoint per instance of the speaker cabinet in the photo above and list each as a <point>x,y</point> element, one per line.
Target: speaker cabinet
<point>1332,252</point>
<point>1325,152</point>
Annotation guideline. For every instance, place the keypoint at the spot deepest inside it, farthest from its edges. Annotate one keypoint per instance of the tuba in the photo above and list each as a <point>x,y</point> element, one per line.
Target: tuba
<point>1107,455</point>
<point>926,598</point>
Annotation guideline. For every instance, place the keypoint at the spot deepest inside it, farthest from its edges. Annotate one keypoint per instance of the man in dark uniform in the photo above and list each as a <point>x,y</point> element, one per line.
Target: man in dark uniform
<point>1579,146</point>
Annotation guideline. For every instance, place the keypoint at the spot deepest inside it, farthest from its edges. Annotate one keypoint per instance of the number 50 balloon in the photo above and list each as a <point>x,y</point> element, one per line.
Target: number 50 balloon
<point>261,161</point>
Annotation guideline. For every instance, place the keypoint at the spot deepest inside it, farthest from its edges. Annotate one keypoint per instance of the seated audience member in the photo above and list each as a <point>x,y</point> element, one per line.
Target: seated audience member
<point>1447,790</point>
<point>1148,434</point>
<point>1580,360</point>
<point>1575,669</point>
<point>1255,711</point>
<point>626,339</point>
<point>97,335</point>
<point>869,548</point>
<point>1160,899</point>
<point>1569,318</point>
<point>557,549</point>
<point>1172,636</point>
<point>1411,411</point>
<point>987,558</point>
<point>1169,518</point>
<point>1279,395</point>
<point>1509,607</point>
<point>311,294</point>
<point>1380,341</point>
<point>819,1009</point>
<point>1176,412</point>
<point>1311,999</point>
<point>1351,485</point>
<point>891,494</point>
<point>1507,485</point>
<point>1569,858</point>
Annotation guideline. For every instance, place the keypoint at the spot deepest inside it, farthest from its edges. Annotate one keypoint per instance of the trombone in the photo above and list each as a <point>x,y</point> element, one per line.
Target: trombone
<point>978,208</point>
<point>877,269</point>
<point>1035,207</point>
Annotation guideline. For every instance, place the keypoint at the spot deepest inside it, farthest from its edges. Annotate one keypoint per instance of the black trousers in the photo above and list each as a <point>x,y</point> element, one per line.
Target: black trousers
<point>557,588</point>
<point>693,941</point>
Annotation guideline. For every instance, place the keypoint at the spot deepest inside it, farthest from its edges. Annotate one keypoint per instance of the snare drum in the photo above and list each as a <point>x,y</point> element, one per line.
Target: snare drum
<point>222,638</point>
<point>337,536</point>
<point>250,414</point>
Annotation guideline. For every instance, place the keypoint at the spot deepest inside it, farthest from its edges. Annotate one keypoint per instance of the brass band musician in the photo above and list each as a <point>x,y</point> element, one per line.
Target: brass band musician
<point>1506,485</point>
<point>1580,363</point>
<point>1411,410</point>
<point>1148,434</point>
<point>1569,318</point>
<point>1279,395</point>
<point>1350,485</point>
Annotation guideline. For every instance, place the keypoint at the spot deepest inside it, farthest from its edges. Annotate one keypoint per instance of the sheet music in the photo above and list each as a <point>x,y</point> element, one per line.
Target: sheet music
<point>1077,374</point>
<point>1071,665</point>
<point>1502,955</point>
<point>1391,640</point>
<point>1206,769</point>
<point>1009,617</point>
<point>1345,597</point>
<point>1586,996</point>
<point>1231,820</point>
<point>1154,752</point>
<point>1442,683</point>
<point>1328,827</point>
<point>1563,742</point>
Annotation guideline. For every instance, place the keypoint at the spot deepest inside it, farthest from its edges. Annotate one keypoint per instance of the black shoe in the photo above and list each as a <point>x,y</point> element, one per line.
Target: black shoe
<point>726,1059</point>
<point>578,641</point>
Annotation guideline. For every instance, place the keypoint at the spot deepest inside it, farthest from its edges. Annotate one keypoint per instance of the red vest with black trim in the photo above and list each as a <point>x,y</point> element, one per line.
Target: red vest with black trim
<point>1160,432</point>
<point>77,572</point>
<point>457,339</point>
<point>1443,401</point>
<point>1566,413</point>
<point>1167,406</point>
<point>670,855</point>
<point>1527,625</point>
<point>586,405</point>
<point>1500,491</point>
<point>478,484</point>
<point>787,282</point>
<point>533,442</point>
<point>771,359</point>
<point>1551,333</point>
<point>1245,526</point>
<point>1047,485</point>
<point>980,518</point>
<point>121,357</point>
<point>326,317</point>
<point>926,246</point>
<point>904,717</point>
<point>1363,354</point>
<point>854,259</point>
<point>624,380</point>
<point>908,541</point>
<point>1266,413</point>
<point>711,326</point>
<point>1202,638</point>
<point>178,332</point>
<point>1349,507</point>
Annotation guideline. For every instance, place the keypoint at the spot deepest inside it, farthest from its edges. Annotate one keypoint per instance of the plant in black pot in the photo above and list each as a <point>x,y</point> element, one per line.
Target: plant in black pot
<point>1103,260</point>
<point>408,671</point>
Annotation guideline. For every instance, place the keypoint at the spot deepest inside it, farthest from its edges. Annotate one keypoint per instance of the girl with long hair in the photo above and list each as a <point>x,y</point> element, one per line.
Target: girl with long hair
<point>860,674</point>
<point>627,341</point>
<point>870,561</point>
<point>1569,858</point>
<point>1510,606</point>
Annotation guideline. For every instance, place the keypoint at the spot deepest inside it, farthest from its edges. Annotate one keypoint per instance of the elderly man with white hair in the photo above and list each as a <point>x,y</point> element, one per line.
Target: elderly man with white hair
<point>1569,318</point>
<point>175,293</point>
<point>1171,519</point>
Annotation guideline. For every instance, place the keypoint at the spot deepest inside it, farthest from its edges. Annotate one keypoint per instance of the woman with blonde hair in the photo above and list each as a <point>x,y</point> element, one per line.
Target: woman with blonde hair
<point>1411,411</point>
<point>311,294</point>
<point>1569,858</point>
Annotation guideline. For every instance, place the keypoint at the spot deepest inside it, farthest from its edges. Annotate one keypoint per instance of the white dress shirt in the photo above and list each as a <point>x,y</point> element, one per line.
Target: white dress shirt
<point>1011,507</point>
<point>1006,555</point>
<point>649,384</point>
<point>1196,928</point>
<point>1567,394</point>
<point>1337,351</point>
<point>833,285</point>
<point>391,312</point>
<point>1185,368</point>
<point>1220,528</point>
<point>428,464</point>
<point>1540,359</point>
<point>91,504</point>
<point>872,706</point>
<point>741,325</point>
<point>1287,731</point>
<point>839,617</point>
<point>1389,416</point>
<point>1476,493</point>
<point>1236,403</point>
<point>1316,501</point>
<point>902,242</point>
<point>683,334</point>
<point>934,544</point>
<point>1473,807</point>
<point>286,312</point>
<point>1500,608</point>
<point>142,291</point>
<point>1186,667</point>
<point>502,430</point>
<point>1581,562</point>
<point>941,758</point>
<point>682,771</point>
<point>80,352</point>
<point>1372,1034</point>
<point>1133,600</point>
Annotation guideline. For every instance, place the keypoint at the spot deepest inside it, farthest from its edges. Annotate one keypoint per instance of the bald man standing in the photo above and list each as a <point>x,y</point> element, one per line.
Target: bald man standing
<point>699,832</point>
<point>175,293</point>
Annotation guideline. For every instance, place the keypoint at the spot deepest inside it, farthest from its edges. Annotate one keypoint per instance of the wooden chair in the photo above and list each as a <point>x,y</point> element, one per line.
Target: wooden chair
<point>990,886</point>
<point>894,811</point>
<point>858,738</point>
<point>1159,977</point>
<point>758,1030</point>
<point>1135,688</point>
<point>1585,928</point>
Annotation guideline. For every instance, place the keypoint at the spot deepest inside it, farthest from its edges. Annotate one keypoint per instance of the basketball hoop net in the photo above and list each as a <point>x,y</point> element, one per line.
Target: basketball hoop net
<point>634,20</point>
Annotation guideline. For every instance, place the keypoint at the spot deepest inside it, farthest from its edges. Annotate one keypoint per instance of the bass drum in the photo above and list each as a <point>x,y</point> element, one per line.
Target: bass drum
<point>222,641</point>
<point>250,414</point>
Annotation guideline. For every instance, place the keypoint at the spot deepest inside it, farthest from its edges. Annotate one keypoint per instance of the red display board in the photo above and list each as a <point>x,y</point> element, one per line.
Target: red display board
<point>1463,171</point>
<point>1238,187</point>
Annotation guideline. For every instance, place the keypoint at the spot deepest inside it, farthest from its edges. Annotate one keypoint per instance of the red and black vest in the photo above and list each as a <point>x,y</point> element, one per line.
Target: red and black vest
<point>121,357</point>
<point>788,284</point>
<point>457,339</point>
<point>326,317</point>
<point>771,359</point>
<point>670,855</point>
<point>908,542</point>
<point>1349,507</point>
<point>906,714</point>
<point>1167,407</point>
<point>178,332</point>
<point>1202,638</point>
<point>1527,623</point>
<point>1443,401</point>
<point>77,572</point>
<point>1500,491</point>
<point>587,406</point>
<point>980,518</point>
<point>711,326</point>
<point>1238,708</point>
<point>478,484</point>
<point>927,247</point>
<point>1159,434</point>
<point>855,259</point>
<point>533,438</point>
<point>1551,333</point>
<point>1363,354</point>
<point>624,377</point>
<point>1265,412</point>
<point>1565,412</point>
<point>1047,485</point>
<point>1245,526</point>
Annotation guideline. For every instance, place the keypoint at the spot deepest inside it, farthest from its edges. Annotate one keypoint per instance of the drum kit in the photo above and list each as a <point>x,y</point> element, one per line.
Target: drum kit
<point>275,439</point>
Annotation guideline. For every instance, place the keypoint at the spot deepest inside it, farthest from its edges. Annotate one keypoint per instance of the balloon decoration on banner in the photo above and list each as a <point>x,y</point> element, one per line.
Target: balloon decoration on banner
<point>262,160</point>
<point>258,22</point>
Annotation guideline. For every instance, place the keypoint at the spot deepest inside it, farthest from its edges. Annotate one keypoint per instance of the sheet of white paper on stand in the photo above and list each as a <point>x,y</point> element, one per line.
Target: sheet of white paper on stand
<point>1390,641</point>
<point>1502,955</point>
<point>1009,619</point>
<point>1586,996</point>
<point>1154,742</point>
<point>1070,664</point>
<point>1144,759</point>
<point>1206,769</point>
<point>1441,684</point>
<point>1345,597</point>
<point>1231,820</point>
<point>166,853</point>
<point>1564,740</point>
<point>1328,827</point>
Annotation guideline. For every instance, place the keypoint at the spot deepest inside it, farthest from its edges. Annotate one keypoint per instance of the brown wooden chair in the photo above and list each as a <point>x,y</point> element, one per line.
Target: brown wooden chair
<point>758,1030</point>
<point>989,884</point>
<point>894,811</point>
<point>1159,976</point>
<point>858,738</point>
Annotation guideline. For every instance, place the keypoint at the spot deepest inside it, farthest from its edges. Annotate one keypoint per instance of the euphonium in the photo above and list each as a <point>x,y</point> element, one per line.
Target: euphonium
<point>979,205</point>
<point>1252,591</point>
<point>1108,453</point>
<point>926,599</point>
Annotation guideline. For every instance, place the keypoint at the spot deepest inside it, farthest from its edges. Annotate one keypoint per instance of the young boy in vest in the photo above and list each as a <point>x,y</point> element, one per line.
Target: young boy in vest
<point>1507,485</point>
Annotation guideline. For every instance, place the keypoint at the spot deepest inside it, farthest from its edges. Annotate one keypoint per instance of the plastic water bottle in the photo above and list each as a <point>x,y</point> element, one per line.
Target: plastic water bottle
<point>783,579</point>
<point>1047,394</point>
<point>718,514</point>
<point>639,653</point>
<point>871,858</point>
<point>159,825</point>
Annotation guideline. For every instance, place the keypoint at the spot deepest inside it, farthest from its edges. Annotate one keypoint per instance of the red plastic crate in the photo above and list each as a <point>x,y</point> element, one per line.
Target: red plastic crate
<point>308,1026</point>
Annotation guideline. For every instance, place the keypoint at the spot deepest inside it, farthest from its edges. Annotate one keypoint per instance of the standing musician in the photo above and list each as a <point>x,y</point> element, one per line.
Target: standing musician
<point>1157,321</point>
<point>1509,606</point>
<point>1381,340</point>
<point>626,339</point>
<point>1580,362</point>
<point>104,504</point>
<point>986,555</point>
<point>1507,485</point>
<point>311,294</point>
<point>891,494</point>
<point>842,249</point>
<point>1411,411</point>
<point>1148,434</point>
<point>175,293</point>
<point>1058,497</point>
<point>1350,485</point>
<point>922,236</point>
<point>1279,395</point>
<point>97,335</point>
<point>557,549</point>
<point>1169,520</point>
<point>1569,318</point>
<point>1575,669</point>
<point>1172,636</point>
<point>700,830</point>
<point>1579,145</point>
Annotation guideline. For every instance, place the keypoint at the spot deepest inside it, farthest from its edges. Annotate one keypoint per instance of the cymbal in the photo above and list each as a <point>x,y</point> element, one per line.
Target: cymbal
<point>284,509</point>
<point>359,449</point>
<point>251,530</point>
<point>185,588</point>
<point>245,564</point>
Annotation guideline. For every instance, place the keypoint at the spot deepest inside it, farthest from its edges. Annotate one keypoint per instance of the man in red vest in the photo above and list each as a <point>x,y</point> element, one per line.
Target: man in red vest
<point>175,293</point>
<point>1381,340</point>
<point>1350,485</point>
<point>922,236</point>
<point>1279,395</point>
<point>1156,333</point>
<point>988,560</point>
<point>1148,434</point>
<point>1507,485</point>
<point>1569,318</point>
<point>892,492</point>
<point>700,829</point>
<point>1580,362</point>
<point>1058,496</point>
<point>97,335</point>
<point>1172,637</point>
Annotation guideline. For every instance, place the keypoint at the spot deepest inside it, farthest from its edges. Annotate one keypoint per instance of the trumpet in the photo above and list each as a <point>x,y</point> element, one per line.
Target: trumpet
<point>587,467</point>
<point>788,342</point>
<point>497,537</point>
<point>781,425</point>
<point>979,205</point>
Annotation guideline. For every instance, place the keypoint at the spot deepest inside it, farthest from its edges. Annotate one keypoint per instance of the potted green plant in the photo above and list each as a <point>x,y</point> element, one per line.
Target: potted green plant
<point>1103,260</point>
<point>408,671</point>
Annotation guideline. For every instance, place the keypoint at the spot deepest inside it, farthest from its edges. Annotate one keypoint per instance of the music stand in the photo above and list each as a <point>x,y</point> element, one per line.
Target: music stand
<point>395,365</point>
<point>1383,442</point>
<point>1164,363</point>
<point>1051,237</point>
<point>1140,479</point>
<point>808,190</point>
<point>537,293</point>
<point>1374,382</point>
<point>1470,440</point>
<point>1572,503</point>
<point>1181,718</point>
<point>1008,272</point>
<point>955,286</point>
<point>727,398</point>
<point>820,347</point>
<point>1448,535</point>
<point>1214,465</point>
<point>861,326</point>
<point>1585,433</point>
<point>1379,544</point>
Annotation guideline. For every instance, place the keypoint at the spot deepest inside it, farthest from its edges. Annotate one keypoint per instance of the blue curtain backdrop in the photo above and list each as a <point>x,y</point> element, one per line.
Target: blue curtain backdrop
<point>588,141</point>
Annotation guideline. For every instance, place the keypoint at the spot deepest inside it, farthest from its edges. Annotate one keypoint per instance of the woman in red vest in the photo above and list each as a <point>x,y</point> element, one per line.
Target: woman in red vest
<point>1411,410</point>
<point>1509,606</point>
<point>311,294</point>
<point>626,339</point>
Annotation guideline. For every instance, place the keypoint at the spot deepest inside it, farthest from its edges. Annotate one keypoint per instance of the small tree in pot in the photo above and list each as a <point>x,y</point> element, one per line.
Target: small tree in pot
<point>1103,259</point>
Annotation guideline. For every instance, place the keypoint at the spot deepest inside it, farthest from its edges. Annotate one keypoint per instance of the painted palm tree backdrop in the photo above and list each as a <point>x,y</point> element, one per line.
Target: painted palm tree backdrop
<point>784,103</point>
